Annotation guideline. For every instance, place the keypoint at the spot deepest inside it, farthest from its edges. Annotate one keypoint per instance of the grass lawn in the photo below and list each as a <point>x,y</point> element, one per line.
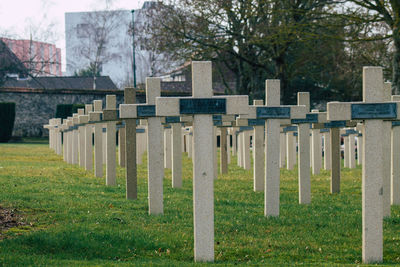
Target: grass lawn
<point>72,219</point>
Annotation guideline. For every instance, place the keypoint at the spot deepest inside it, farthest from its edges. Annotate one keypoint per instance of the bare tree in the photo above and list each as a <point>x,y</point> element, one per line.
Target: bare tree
<point>95,31</point>
<point>32,50</point>
<point>155,62</point>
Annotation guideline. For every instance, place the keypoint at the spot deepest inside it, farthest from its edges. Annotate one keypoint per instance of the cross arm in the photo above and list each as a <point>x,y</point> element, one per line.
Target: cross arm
<point>176,106</point>
<point>275,112</point>
<point>338,111</point>
<point>136,111</point>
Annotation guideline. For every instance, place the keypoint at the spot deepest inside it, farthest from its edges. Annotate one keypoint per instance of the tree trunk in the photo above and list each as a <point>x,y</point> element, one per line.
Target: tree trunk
<point>396,59</point>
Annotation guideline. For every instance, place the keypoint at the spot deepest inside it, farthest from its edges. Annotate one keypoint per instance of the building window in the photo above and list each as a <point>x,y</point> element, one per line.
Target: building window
<point>82,30</point>
<point>51,55</point>
<point>42,52</point>
<point>10,46</point>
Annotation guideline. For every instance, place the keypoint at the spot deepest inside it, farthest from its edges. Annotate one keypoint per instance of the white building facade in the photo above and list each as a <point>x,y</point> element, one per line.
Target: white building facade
<point>104,37</point>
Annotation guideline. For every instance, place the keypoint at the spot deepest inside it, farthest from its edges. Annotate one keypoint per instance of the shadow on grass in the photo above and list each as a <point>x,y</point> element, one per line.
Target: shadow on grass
<point>83,244</point>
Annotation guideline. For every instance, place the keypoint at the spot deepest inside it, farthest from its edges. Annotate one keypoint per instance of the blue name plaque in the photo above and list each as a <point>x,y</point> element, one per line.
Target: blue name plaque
<point>173,119</point>
<point>146,110</point>
<point>202,106</point>
<point>217,117</point>
<point>256,122</point>
<point>245,128</point>
<point>273,112</point>
<point>351,131</point>
<point>335,124</point>
<point>374,111</point>
<point>290,129</point>
<point>310,118</point>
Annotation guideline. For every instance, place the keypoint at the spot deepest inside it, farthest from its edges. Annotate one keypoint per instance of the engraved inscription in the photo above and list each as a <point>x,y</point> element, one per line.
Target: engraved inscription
<point>146,111</point>
<point>310,118</point>
<point>202,106</point>
<point>273,112</point>
<point>172,119</point>
<point>256,122</point>
<point>374,111</point>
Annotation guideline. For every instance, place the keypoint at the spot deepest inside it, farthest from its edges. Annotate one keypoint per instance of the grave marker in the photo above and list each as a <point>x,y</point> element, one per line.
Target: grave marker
<point>258,151</point>
<point>303,130</point>
<point>202,105</point>
<point>131,145</point>
<point>95,116</point>
<point>272,113</point>
<point>110,115</point>
<point>372,111</point>
<point>81,138</point>
<point>155,162</point>
<point>395,159</point>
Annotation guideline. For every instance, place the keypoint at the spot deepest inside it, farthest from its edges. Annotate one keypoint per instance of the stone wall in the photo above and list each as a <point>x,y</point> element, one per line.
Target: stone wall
<point>35,107</point>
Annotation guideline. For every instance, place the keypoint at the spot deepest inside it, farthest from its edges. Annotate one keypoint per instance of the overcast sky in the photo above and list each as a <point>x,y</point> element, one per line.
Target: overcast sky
<point>18,18</point>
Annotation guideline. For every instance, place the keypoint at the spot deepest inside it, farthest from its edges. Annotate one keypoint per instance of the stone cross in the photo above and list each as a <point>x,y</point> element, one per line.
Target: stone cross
<point>282,159</point>
<point>176,151</point>
<point>173,149</point>
<point>303,130</point>
<point>359,143</point>
<point>327,149</point>
<point>167,148</point>
<point>63,129</point>
<point>54,134</point>
<point>95,117</point>
<point>349,147</point>
<point>131,148</point>
<point>373,110</point>
<point>395,159</point>
<point>386,143</point>
<point>81,137</point>
<point>121,145</point>
<point>202,105</point>
<point>316,149</point>
<point>69,138</point>
<point>258,147</point>
<point>59,137</point>
<point>88,139</point>
<point>110,116</point>
<point>223,122</point>
<point>83,120</point>
<point>272,113</point>
<point>75,142</point>
<point>155,162</point>
<point>290,146</point>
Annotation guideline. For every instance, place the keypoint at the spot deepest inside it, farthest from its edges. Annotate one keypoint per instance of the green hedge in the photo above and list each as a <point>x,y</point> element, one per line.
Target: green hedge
<point>7,117</point>
<point>66,110</point>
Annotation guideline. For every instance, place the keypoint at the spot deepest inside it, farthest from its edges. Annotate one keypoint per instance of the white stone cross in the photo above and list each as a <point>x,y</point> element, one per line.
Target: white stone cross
<point>81,137</point>
<point>110,115</point>
<point>202,105</point>
<point>95,117</point>
<point>272,113</point>
<point>395,160</point>
<point>173,148</point>
<point>130,148</point>
<point>155,163</point>
<point>373,110</point>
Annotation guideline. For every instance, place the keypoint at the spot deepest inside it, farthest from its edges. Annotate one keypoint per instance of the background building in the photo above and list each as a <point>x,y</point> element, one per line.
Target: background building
<point>103,40</point>
<point>39,58</point>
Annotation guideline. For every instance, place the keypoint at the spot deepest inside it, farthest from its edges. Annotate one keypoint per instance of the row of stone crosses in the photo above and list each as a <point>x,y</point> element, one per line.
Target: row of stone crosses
<point>170,125</point>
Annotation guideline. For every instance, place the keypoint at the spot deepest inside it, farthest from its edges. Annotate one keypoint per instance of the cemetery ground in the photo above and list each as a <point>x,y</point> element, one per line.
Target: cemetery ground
<point>66,217</point>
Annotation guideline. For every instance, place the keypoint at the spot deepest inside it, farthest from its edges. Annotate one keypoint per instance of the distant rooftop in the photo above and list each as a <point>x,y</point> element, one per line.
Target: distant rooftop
<point>63,83</point>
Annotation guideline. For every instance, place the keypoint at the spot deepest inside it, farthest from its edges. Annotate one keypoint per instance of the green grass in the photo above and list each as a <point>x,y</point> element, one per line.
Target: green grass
<point>73,219</point>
